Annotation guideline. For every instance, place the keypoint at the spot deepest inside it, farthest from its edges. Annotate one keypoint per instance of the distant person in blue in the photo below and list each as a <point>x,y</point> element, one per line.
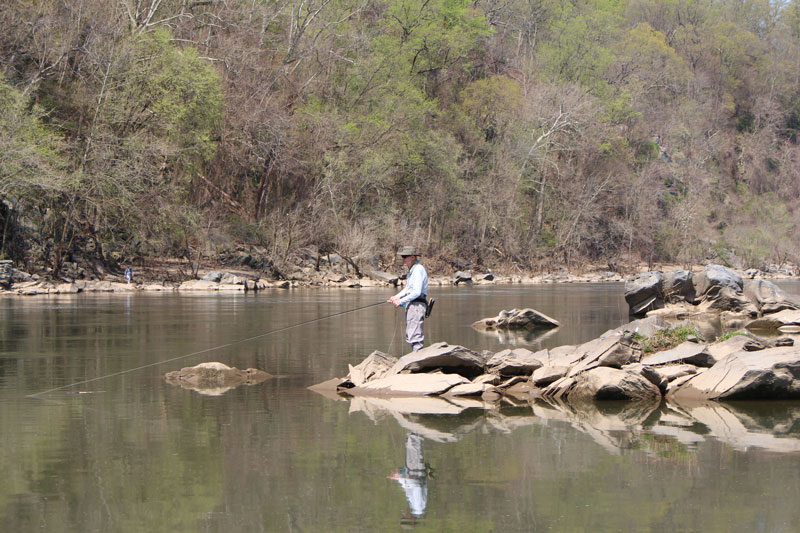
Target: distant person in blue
<point>414,297</point>
<point>129,274</point>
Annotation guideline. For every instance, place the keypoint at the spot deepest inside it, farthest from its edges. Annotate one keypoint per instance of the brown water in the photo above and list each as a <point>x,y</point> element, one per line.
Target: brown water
<point>130,452</point>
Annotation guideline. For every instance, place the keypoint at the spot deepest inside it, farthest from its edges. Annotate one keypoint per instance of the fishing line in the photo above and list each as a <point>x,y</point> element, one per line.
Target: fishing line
<point>207,350</point>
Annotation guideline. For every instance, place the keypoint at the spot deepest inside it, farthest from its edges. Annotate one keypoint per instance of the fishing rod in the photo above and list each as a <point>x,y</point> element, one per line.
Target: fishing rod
<point>207,350</point>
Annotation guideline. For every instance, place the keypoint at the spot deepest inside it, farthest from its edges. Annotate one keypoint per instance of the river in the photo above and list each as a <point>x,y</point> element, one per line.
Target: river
<point>94,439</point>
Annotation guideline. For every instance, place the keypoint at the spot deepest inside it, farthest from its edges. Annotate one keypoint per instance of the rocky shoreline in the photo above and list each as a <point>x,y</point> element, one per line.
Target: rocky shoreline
<point>333,272</point>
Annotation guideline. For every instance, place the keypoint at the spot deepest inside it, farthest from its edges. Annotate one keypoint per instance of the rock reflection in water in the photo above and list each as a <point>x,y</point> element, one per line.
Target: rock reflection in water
<point>616,426</point>
<point>515,337</point>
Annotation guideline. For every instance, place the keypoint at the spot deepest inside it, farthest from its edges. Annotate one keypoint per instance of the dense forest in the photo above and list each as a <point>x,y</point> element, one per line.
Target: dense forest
<point>514,133</point>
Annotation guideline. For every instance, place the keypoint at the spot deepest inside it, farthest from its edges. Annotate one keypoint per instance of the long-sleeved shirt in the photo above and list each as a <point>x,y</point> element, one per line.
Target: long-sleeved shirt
<point>416,284</point>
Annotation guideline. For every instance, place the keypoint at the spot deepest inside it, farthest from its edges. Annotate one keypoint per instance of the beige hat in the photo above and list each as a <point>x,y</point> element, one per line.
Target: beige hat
<point>407,250</point>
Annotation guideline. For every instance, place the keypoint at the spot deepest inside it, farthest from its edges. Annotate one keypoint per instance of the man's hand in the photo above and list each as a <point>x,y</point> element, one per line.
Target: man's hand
<point>394,301</point>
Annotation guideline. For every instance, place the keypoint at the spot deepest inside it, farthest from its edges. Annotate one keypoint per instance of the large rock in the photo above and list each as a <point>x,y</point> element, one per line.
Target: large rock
<point>513,362</point>
<point>644,292</point>
<point>604,383</point>
<point>214,378</point>
<point>686,352</point>
<point>768,297</point>
<point>678,286</point>
<point>517,319</point>
<point>787,321</point>
<point>375,366</point>
<point>727,299</point>
<point>442,356</point>
<point>768,374</point>
<point>613,351</point>
<point>713,278</point>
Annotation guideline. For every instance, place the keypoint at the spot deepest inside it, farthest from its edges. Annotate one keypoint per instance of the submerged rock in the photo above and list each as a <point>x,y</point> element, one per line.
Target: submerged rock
<point>215,378</point>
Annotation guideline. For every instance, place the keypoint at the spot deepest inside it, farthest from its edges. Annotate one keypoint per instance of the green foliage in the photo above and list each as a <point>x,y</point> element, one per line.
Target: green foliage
<point>666,338</point>
<point>726,336</point>
<point>171,93</point>
<point>30,158</point>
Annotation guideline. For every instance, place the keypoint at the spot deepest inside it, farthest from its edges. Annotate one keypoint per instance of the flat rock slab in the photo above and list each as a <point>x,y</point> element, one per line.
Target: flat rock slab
<point>546,375</point>
<point>455,359</point>
<point>720,350</point>
<point>768,374</point>
<point>435,383</point>
<point>687,352</point>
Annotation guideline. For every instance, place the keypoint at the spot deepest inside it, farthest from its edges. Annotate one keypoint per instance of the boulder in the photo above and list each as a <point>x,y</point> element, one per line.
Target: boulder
<point>678,286</point>
<point>649,373</point>
<point>771,374</point>
<point>513,362</point>
<point>713,278</point>
<point>787,320</point>
<point>768,297</point>
<point>462,277</point>
<point>727,299</point>
<point>450,359</point>
<point>214,378</point>
<point>604,383</point>
<point>614,351</point>
<point>517,319</point>
<point>232,279</point>
<point>644,292</point>
<point>212,276</point>
<point>375,366</point>
<point>686,352</point>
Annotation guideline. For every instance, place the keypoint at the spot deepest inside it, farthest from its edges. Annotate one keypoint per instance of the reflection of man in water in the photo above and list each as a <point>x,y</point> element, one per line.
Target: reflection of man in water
<point>414,477</point>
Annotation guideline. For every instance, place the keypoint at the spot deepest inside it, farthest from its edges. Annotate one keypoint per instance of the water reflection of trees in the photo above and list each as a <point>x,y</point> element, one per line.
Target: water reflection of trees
<point>616,426</point>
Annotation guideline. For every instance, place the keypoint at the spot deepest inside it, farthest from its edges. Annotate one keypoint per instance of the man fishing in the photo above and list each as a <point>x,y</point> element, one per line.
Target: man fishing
<point>414,297</point>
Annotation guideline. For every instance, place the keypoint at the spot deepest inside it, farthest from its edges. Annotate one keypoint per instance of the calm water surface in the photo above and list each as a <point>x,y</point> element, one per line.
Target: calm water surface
<point>125,451</point>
